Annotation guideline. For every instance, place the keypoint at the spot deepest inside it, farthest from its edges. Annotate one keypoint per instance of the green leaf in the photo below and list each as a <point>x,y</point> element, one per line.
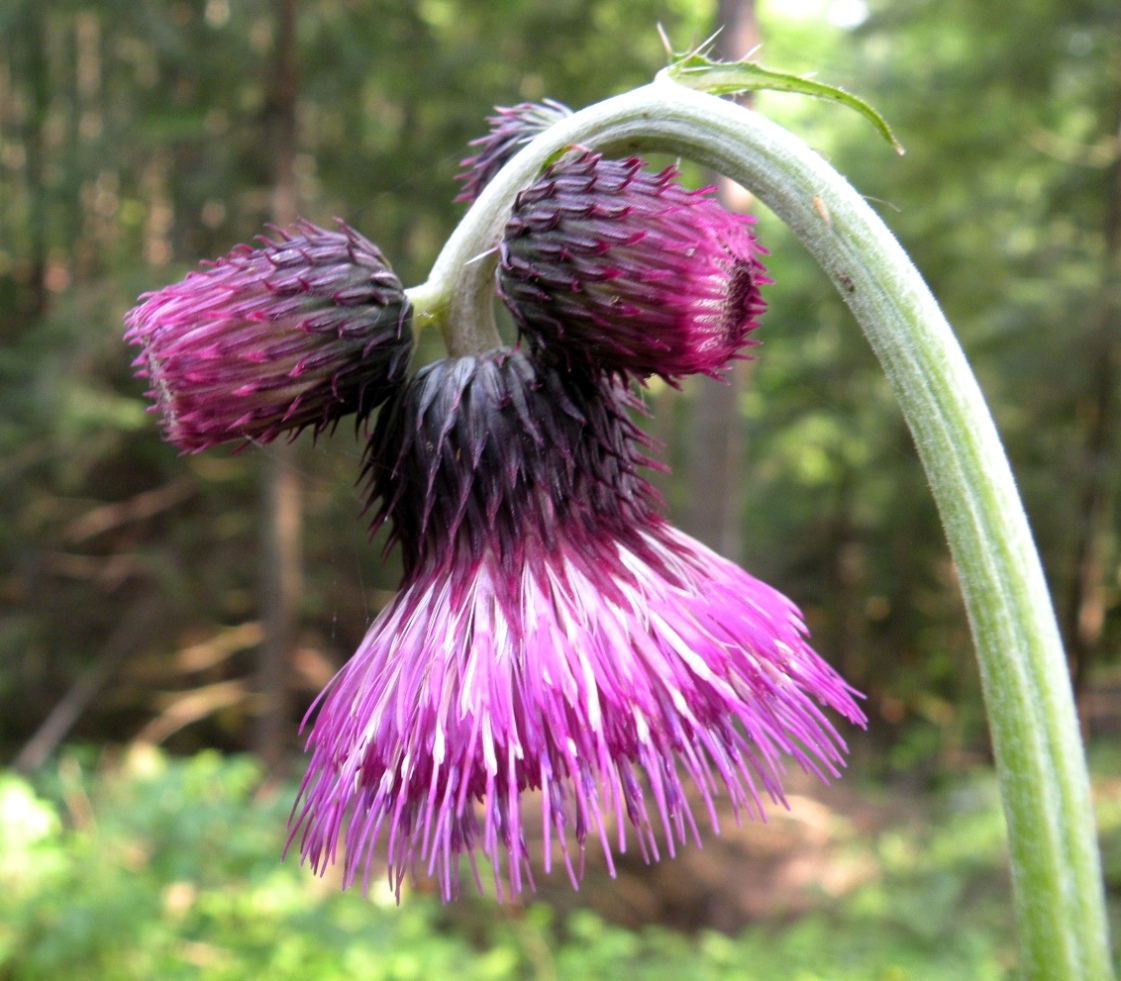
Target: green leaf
<point>696,70</point>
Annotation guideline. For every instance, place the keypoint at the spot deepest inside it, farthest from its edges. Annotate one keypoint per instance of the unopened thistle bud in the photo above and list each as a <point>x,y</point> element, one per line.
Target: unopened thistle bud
<point>606,264</point>
<point>305,329</point>
<point>511,128</point>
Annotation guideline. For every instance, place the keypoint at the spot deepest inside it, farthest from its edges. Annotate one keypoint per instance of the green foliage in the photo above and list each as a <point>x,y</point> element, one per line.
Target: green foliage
<point>134,141</point>
<point>170,869</point>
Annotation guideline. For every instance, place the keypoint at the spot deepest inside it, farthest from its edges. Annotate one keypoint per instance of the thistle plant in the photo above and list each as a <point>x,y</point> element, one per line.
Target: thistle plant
<point>553,632</point>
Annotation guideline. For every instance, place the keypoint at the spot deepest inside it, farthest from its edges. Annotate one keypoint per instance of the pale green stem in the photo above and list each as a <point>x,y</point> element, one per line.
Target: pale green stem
<point>1056,873</point>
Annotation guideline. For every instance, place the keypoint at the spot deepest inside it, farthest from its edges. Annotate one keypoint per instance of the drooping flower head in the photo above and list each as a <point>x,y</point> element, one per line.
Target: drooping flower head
<point>552,634</point>
<point>606,264</point>
<point>307,328</point>
<point>511,127</point>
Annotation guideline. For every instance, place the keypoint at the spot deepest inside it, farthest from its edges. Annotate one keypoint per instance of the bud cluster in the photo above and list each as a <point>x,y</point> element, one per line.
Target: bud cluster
<point>553,633</point>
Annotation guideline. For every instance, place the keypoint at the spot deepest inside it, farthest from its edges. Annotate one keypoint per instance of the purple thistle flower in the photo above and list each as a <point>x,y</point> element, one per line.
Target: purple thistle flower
<point>606,264</point>
<point>299,332</point>
<point>510,129</point>
<point>552,634</point>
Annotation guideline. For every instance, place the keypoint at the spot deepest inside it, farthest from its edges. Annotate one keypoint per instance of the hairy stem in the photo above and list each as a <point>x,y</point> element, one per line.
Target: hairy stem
<point>1053,848</point>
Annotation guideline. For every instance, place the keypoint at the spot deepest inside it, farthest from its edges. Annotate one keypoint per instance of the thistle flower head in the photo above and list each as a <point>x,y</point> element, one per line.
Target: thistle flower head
<point>305,329</point>
<point>493,453</point>
<point>553,635</point>
<point>511,127</point>
<point>606,264</point>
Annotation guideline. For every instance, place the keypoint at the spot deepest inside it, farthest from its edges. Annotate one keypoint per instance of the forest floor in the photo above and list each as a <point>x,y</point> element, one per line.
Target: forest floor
<point>804,857</point>
<point>136,864</point>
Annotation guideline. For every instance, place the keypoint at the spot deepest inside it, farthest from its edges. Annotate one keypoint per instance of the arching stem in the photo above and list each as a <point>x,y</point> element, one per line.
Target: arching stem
<point>1052,842</point>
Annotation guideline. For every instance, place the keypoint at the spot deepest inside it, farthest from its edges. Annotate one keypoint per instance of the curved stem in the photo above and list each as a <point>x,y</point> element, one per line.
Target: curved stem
<point>1039,755</point>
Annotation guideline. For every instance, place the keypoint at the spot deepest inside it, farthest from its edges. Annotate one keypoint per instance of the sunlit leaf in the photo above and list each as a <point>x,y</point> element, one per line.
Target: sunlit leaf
<point>696,70</point>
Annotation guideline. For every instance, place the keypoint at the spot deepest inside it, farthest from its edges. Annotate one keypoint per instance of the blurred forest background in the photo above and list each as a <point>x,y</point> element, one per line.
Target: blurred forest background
<point>199,603</point>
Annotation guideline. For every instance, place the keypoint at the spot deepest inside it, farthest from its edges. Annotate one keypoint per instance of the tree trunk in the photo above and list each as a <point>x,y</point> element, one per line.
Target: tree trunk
<point>281,552</point>
<point>33,33</point>
<point>717,444</point>
<point>1084,618</point>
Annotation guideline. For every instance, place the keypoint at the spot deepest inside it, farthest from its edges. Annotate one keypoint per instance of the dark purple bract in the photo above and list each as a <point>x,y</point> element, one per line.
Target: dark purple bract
<point>512,127</point>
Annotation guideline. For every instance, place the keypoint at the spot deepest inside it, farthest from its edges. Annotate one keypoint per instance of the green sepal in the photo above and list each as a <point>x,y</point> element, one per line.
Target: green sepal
<point>696,70</point>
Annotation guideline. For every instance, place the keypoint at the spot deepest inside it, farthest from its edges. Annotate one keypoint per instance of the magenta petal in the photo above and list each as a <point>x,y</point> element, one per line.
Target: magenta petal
<point>461,697</point>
